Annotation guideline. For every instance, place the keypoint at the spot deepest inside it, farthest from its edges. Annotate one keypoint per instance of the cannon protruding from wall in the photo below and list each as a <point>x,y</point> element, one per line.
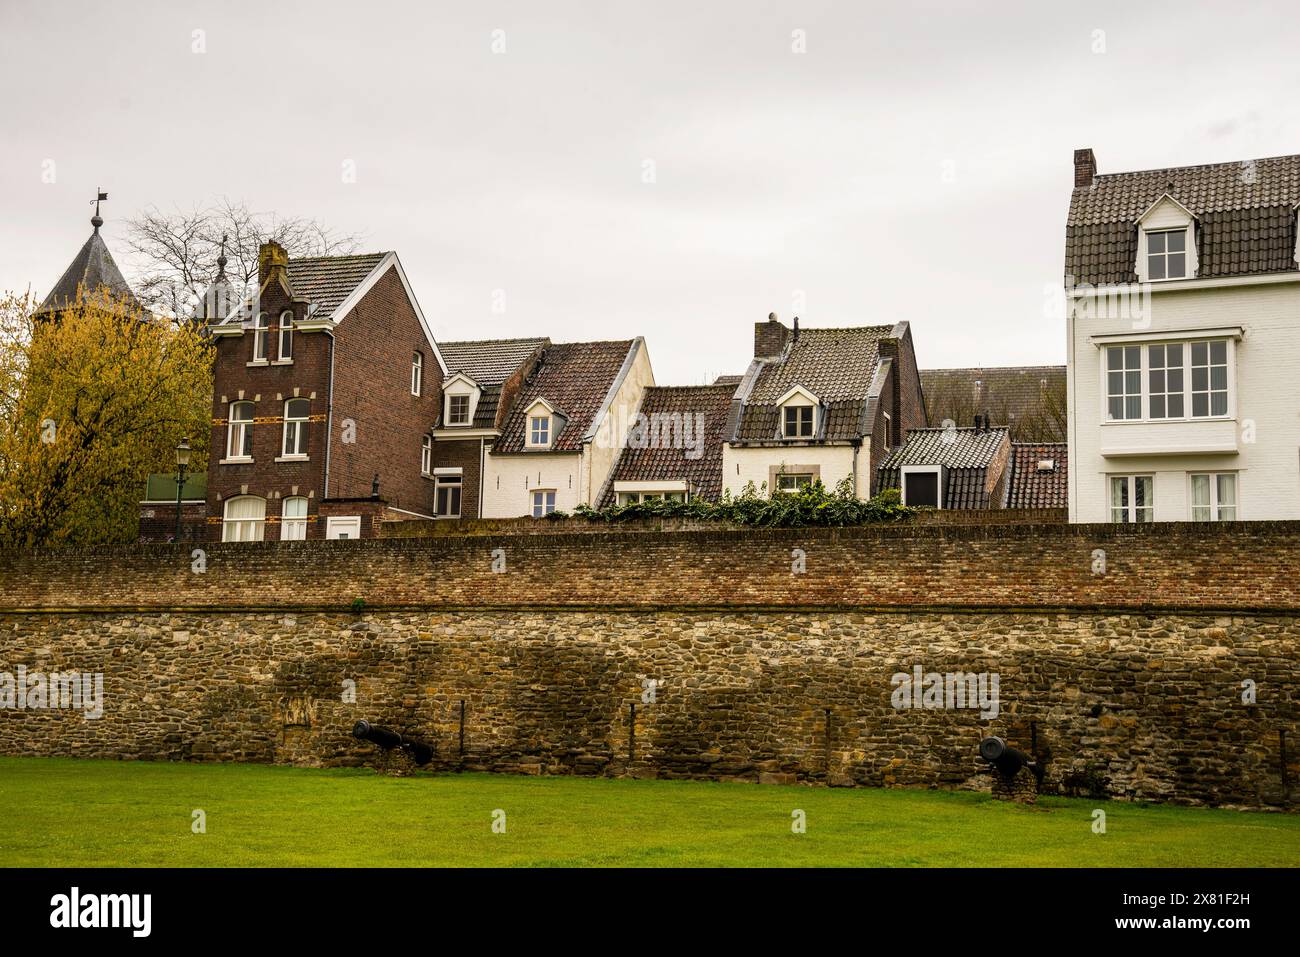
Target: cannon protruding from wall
<point>1016,779</point>
<point>386,739</point>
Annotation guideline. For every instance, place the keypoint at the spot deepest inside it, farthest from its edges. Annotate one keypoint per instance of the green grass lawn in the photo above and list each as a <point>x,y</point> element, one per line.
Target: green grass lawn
<point>59,812</point>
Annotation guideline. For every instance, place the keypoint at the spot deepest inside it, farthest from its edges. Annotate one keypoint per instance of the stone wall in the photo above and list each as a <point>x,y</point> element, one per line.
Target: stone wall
<point>1128,682</point>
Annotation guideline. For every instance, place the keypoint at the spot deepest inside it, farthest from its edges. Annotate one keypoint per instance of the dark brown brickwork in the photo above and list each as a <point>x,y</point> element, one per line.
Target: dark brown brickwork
<point>466,455</point>
<point>158,522</point>
<point>770,338</point>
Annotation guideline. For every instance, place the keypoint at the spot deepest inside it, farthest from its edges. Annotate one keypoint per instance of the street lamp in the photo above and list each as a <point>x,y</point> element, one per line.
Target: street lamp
<point>182,461</point>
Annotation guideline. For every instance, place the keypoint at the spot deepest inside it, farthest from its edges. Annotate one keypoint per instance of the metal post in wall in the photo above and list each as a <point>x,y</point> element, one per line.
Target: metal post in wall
<point>462,728</point>
<point>631,733</point>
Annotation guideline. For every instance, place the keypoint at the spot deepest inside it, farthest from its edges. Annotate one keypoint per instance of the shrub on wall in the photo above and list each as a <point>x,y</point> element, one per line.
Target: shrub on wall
<point>812,505</point>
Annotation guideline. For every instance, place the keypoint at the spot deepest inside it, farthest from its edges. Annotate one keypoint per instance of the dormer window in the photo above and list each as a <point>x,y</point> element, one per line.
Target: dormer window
<point>1167,254</point>
<point>458,410</point>
<point>798,414</point>
<point>539,430</point>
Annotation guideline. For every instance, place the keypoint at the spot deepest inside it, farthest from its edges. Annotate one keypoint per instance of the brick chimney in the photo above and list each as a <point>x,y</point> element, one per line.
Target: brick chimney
<point>769,338</point>
<point>272,257</point>
<point>1085,167</point>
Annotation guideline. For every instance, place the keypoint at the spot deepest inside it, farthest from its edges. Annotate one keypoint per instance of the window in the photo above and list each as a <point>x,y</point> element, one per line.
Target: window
<point>543,502</point>
<point>1214,497</point>
<point>798,421</point>
<point>921,488</point>
<point>245,516</point>
<point>1209,378</point>
<point>1132,498</point>
<point>1168,380</point>
<point>1124,382</point>
<point>259,337</point>
<point>447,497</point>
<point>293,519</point>
<point>426,456</point>
<point>539,430</point>
<point>286,335</point>
<point>631,498</point>
<point>239,432</point>
<point>793,482</point>
<point>1167,254</point>
<point>1165,380</point>
<point>458,410</point>
<point>295,427</point>
<point>417,373</point>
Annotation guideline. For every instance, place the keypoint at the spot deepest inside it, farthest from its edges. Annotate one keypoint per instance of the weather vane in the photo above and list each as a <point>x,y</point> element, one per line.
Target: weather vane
<point>97,220</point>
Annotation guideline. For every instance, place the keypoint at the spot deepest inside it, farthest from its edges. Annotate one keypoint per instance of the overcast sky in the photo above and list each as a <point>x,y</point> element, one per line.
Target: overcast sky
<point>914,163</point>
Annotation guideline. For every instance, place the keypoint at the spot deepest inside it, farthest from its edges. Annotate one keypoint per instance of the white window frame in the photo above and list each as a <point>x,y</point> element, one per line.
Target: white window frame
<point>239,432</point>
<point>1131,509</point>
<point>546,430</point>
<point>1165,254</point>
<point>1144,378</point>
<point>543,506</point>
<point>299,431</point>
<point>469,402</point>
<point>261,330</point>
<point>426,456</point>
<point>285,351</point>
<point>417,373</point>
<point>935,470</point>
<point>336,525</point>
<point>293,528</point>
<point>1216,506</point>
<point>632,498</point>
<point>447,482</point>
<point>245,528</point>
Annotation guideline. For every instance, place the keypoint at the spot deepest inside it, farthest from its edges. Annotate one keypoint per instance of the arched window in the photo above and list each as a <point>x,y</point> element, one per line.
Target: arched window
<point>286,335</point>
<point>239,442</point>
<point>426,456</point>
<point>259,337</point>
<point>245,517</point>
<point>417,373</point>
<point>293,519</point>
<point>295,426</point>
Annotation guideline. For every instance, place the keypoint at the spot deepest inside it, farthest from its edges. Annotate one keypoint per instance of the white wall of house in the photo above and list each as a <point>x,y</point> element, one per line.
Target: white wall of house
<point>1258,439</point>
<point>511,480</point>
<point>601,453</point>
<point>741,465</point>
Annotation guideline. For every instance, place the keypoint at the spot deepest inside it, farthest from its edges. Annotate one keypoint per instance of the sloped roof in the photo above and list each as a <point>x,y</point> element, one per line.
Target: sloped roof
<point>703,475</point>
<point>969,457</point>
<point>1030,488</point>
<point>836,365</point>
<point>324,281</point>
<point>91,269</point>
<point>1245,216</point>
<point>573,378</point>
<point>1030,400</point>
<point>488,361</point>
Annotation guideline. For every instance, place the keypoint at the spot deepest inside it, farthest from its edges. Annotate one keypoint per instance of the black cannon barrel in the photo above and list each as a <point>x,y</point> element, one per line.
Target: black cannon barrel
<point>1005,758</point>
<point>387,739</point>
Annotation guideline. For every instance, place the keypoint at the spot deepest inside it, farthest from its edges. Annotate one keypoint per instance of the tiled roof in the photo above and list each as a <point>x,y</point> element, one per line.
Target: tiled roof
<point>574,378</point>
<point>731,380</point>
<point>967,456</point>
<point>91,269</point>
<point>326,281</point>
<point>1030,400</point>
<point>1031,488</point>
<point>703,475</point>
<point>488,361</point>
<point>1245,215</point>
<point>836,365</point>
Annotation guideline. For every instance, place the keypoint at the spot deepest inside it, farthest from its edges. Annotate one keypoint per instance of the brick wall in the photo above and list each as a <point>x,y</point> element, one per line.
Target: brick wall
<point>158,522</point>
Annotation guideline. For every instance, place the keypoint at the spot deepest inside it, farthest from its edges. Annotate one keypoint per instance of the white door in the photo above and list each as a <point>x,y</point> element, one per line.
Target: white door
<point>343,526</point>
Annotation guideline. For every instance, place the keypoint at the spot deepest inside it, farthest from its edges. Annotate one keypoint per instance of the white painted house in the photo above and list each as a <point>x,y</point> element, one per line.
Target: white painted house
<point>1183,328</point>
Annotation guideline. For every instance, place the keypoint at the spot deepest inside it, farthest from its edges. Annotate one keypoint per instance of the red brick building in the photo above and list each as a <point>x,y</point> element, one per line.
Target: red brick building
<point>325,384</point>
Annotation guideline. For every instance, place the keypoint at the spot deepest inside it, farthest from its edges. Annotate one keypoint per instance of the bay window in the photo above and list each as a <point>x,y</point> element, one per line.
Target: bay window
<point>1167,380</point>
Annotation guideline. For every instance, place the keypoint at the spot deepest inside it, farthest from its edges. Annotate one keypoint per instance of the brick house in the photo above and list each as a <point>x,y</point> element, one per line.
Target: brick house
<point>821,404</point>
<point>482,382</point>
<point>325,384</point>
<point>563,432</point>
<point>1183,318</point>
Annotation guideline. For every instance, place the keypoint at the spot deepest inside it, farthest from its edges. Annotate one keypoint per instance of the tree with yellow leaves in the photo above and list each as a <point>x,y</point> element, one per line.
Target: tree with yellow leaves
<point>91,402</point>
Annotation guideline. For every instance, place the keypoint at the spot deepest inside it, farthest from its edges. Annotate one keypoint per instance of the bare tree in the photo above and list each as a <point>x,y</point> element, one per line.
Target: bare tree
<point>175,253</point>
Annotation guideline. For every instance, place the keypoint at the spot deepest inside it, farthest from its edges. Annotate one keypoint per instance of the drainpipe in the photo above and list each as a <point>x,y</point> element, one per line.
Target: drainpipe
<point>329,421</point>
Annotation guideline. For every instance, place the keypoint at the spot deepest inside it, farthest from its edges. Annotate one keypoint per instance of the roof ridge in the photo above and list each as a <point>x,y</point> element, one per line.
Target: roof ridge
<point>490,342</point>
<point>1175,169</point>
<point>301,259</point>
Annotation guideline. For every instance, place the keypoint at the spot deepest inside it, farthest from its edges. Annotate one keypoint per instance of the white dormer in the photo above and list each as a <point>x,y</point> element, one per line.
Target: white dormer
<point>799,414</point>
<point>460,395</point>
<point>1166,242</point>
<point>541,423</point>
<point>1297,232</point>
